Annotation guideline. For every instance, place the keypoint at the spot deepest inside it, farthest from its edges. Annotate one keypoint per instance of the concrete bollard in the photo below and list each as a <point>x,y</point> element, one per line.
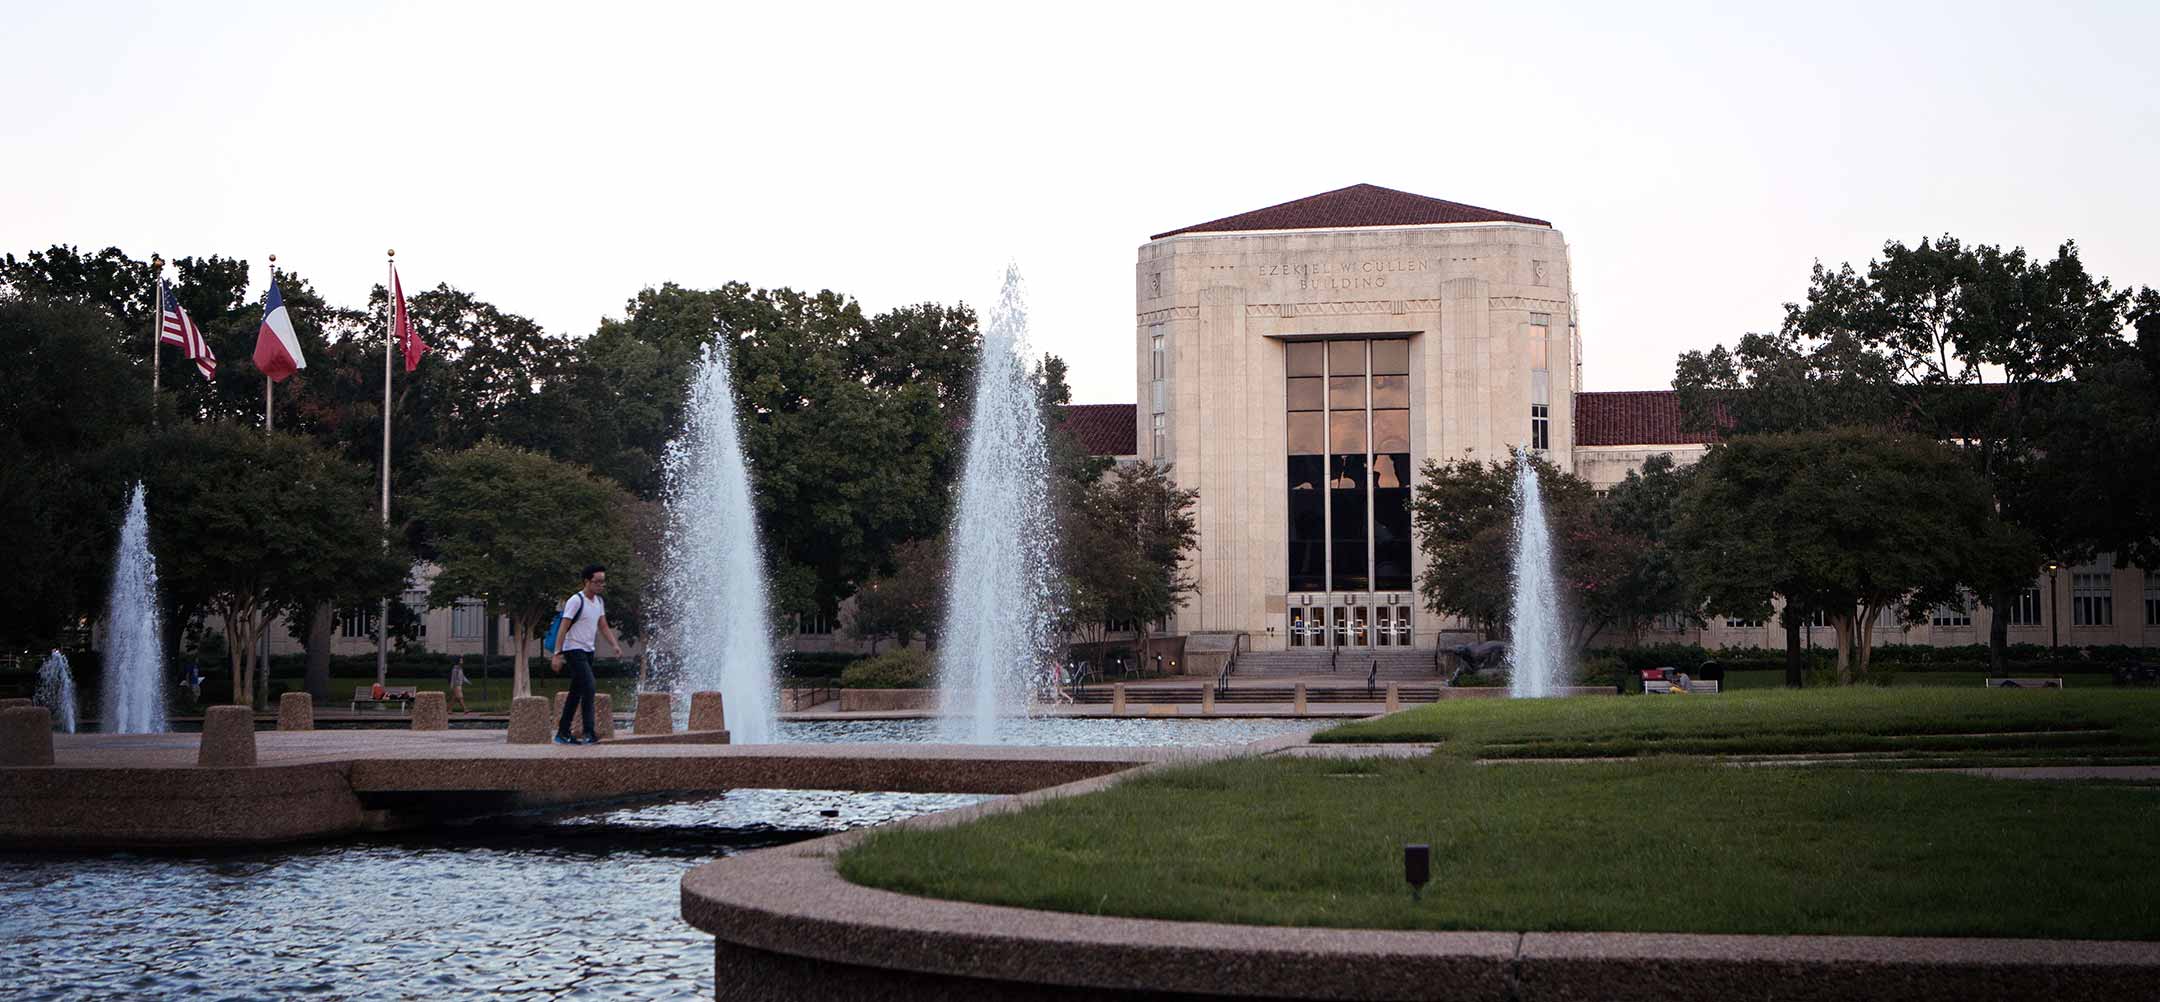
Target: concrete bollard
<point>431,711</point>
<point>655,713</point>
<point>228,736</point>
<point>530,723</point>
<point>1207,700</point>
<point>26,735</point>
<point>1299,709</point>
<point>708,712</point>
<point>296,712</point>
<point>1394,697</point>
<point>16,703</point>
<point>603,710</point>
<point>1117,699</point>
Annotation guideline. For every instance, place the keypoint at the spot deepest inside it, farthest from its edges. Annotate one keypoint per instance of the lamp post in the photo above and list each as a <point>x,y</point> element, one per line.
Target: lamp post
<point>2054,620</point>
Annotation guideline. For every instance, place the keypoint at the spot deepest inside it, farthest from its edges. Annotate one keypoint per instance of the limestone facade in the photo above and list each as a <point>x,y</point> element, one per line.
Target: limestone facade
<point>1476,303</point>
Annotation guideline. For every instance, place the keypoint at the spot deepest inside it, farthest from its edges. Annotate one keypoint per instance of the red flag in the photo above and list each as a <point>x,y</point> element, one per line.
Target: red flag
<point>402,324</point>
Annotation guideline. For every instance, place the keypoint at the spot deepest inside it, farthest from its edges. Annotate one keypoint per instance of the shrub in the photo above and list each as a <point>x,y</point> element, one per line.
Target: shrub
<point>899,668</point>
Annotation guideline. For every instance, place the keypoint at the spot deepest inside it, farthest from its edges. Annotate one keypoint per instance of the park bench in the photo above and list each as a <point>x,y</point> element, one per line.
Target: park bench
<point>2024,683</point>
<point>1657,682</point>
<point>402,695</point>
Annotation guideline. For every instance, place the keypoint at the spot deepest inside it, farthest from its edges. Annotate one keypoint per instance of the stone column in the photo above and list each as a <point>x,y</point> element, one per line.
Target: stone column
<point>530,723</point>
<point>655,713</point>
<point>228,736</point>
<point>1299,706</point>
<point>1117,699</point>
<point>431,711</point>
<point>1207,700</point>
<point>26,735</point>
<point>1394,697</point>
<point>603,716</point>
<point>708,712</point>
<point>296,712</point>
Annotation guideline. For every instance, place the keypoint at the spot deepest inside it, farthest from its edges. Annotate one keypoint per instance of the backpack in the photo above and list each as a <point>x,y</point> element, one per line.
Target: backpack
<point>547,643</point>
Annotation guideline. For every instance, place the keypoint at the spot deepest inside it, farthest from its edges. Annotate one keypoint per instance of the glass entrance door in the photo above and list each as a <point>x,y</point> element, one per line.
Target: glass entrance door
<point>1402,626</point>
<point>1360,635</point>
<point>1298,626</point>
<point>1383,633</point>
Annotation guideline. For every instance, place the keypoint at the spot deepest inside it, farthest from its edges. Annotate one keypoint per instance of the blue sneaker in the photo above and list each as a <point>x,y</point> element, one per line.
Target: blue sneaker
<point>589,739</point>
<point>564,739</point>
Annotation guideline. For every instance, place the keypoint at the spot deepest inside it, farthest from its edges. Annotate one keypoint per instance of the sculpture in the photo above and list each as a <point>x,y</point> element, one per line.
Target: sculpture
<point>1476,657</point>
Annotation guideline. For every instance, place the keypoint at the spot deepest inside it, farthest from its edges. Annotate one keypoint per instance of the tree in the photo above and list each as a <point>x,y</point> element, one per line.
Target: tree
<point>66,395</point>
<point>1465,514</point>
<point>249,525</point>
<point>849,423</point>
<point>1646,581</point>
<point>513,527</point>
<point>1125,546</point>
<point>907,602</point>
<point>1850,522</point>
<point>1968,345</point>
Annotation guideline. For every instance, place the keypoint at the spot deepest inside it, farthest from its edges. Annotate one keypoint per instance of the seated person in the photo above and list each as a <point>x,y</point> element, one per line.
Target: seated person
<point>378,693</point>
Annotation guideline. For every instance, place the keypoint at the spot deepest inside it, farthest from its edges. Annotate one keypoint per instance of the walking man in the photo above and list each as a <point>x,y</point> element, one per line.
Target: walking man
<point>457,683</point>
<point>584,615</point>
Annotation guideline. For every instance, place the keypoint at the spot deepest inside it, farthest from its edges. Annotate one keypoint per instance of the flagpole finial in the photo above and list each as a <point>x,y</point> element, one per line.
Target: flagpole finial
<point>393,252</point>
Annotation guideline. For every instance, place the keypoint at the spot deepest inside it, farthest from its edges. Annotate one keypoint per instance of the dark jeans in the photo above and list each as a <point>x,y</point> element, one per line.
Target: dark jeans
<point>581,692</point>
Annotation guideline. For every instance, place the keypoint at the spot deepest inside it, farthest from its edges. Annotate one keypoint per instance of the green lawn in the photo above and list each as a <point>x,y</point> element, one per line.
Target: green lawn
<point>1666,843</point>
<point>2074,724</point>
<point>1658,846</point>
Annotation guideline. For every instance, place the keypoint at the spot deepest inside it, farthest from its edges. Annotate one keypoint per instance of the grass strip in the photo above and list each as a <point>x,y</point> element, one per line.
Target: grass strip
<point>1775,722</point>
<point>1659,845</point>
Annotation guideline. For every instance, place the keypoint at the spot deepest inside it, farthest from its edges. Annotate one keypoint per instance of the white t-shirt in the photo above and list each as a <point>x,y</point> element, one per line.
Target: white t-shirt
<point>579,632</point>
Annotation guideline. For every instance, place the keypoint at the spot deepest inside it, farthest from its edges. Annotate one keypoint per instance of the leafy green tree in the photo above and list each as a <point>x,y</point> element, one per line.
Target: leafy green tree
<point>248,526</point>
<point>906,603</point>
<point>1973,345</point>
<point>2086,462</point>
<point>1646,580</point>
<point>849,422</point>
<point>1125,550</point>
<point>513,527</point>
<point>1850,521</point>
<point>65,395</point>
<point>1465,515</point>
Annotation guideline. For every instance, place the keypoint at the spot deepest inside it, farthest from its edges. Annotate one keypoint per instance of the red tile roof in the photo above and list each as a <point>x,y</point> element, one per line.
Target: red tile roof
<point>1357,205</point>
<point>1104,429</point>
<point>1633,417</point>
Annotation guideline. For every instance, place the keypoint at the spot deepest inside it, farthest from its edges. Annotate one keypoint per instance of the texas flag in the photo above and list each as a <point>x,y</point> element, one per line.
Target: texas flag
<point>401,323</point>
<point>277,350</point>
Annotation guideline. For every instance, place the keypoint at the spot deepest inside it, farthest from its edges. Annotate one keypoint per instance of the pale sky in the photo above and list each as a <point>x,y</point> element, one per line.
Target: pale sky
<point>555,158</point>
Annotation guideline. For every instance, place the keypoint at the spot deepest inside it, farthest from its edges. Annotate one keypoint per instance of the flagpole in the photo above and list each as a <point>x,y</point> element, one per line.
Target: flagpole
<point>157,328</point>
<point>269,425</point>
<point>269,417</point>
<point>390,293</point>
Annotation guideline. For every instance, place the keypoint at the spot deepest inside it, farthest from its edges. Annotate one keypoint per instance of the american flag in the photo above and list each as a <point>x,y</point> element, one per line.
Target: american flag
<point>176,329</point>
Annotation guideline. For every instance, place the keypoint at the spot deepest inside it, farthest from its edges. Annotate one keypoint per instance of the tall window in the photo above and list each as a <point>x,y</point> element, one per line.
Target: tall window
<point>1161,436</point>
<point>1950,616</point>
<point>1155,352</point>
<point>2092,599</point>
<point>468,619</point>
<point>416,601</point>
<point>2025,610</point>
<point>2152,598</point>
<point>1743,624</point>
<point>1540,382</point>
<point>356,622</point>
<point>1348,436</point>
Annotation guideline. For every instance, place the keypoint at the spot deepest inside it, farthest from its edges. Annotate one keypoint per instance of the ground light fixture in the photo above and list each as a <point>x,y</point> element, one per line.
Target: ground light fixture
<point>1417,867</point>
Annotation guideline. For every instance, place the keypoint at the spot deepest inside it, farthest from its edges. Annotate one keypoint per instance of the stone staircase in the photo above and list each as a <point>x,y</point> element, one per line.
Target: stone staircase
<point>1352,665</point>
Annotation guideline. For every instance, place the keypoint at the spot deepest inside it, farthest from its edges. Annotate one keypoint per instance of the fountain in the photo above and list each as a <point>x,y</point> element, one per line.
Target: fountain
<point>56,690</point>
<point>1000,623</point>
<point>1536,653</point>
<point>712,591</point>
<point>134,697</point>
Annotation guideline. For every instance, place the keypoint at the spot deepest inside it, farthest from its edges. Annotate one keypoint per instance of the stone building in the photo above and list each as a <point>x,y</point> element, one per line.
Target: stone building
<point>1297,363</point>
